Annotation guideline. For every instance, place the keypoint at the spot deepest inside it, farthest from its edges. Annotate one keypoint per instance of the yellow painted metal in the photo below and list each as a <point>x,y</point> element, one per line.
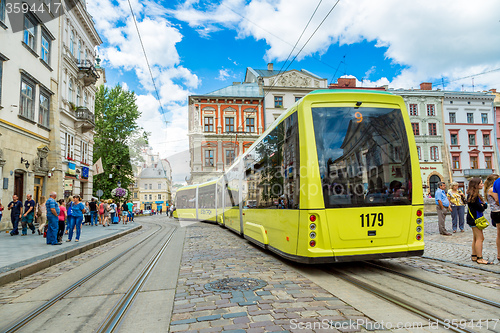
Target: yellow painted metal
<point>187,213</point>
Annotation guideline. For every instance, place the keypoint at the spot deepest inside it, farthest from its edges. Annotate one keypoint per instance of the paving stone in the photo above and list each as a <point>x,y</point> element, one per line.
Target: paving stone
<point>206,318</point>
<point>184,321</point>
<point>234,315</point>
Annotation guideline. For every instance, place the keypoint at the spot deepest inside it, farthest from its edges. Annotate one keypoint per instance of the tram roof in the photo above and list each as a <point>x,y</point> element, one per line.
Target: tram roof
<point>351,91</point>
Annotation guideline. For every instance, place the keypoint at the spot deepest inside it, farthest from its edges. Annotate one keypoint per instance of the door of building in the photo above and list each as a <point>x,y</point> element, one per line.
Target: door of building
<point>433,181</point>
<point>37,191</point>
<point>19,185</point>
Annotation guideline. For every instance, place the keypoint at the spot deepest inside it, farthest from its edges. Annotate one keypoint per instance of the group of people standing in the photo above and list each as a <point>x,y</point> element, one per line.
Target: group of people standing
<point>472,206</point>
<point>57,218</point>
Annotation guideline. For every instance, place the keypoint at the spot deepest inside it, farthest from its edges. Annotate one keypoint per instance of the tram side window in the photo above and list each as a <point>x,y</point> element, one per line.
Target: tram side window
<point>274,172</point>
<point>186,199</point>
<point>207,197</point>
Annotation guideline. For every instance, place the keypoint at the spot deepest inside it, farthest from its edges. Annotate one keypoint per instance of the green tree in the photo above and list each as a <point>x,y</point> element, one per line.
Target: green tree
<point>116,115</point>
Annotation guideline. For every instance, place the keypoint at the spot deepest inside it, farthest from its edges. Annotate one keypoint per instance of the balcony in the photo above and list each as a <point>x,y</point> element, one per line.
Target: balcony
<point>84,119</point>
<point>87,73</point>
<point>477,172</point>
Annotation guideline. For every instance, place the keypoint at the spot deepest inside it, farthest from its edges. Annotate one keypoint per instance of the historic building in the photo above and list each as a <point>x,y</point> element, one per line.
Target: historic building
<point>469,119</point>
<point>496,107</point>
<point>282,89</point>
<point>425,107</point>
<point>222,125</point>
<point>28,105</point>
<point>72,144</point>
<point>152,189</point>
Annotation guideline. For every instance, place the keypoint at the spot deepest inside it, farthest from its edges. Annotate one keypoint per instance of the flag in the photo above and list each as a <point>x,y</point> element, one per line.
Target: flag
<point>97,167</point>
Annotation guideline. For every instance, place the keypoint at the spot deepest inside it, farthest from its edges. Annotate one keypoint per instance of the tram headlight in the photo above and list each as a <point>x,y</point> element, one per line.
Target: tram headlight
<point>419,221</point>
<point>312,226</point>
<point>419,229</point>
<point>312,235</point>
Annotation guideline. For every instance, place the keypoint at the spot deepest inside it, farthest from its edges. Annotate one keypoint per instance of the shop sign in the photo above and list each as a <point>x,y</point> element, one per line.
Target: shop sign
<point>68,185</point>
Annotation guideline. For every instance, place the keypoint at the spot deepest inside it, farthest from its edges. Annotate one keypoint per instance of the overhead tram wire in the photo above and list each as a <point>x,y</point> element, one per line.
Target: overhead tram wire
<point>147,62</point>
<point>303,46</point>
<point>442,81</point>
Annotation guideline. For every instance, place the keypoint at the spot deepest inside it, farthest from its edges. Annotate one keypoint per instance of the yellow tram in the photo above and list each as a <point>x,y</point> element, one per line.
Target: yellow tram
<point>335,178</point>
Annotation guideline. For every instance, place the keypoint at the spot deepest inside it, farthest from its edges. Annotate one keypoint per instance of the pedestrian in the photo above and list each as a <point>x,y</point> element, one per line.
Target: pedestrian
<point>29,215</point>
<point>112,210</point>
<point>52,217</point>
<point>62,220</point>
<point>87,213</point>
<point>495,209</point>
<point>16,208</point>
<point>124,213</point>
<point>93,212</point>
<point>105,216</point>
<point>78,209</point>
<point>41,213</point>
<point>457,202</point>
<point>1,210</point>
<point>130,208</point>
<point>442,207</point>
<point>476,206</point>
<point>101,212</point>
<point>69,205</point>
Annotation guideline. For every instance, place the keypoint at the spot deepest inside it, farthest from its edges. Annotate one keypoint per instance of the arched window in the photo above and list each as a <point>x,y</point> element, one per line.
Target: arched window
<point>72,43</point>
<point>70,90</point>
<point>78,96</point>
<point>419,152</point>
<point>433,181</point>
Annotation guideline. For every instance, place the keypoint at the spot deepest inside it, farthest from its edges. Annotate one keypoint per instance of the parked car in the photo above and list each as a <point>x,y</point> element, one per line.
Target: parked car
<point>146,212</point>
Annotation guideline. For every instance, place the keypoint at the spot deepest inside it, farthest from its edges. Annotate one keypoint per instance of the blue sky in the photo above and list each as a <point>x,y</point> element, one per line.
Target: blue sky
<point>195,47</point>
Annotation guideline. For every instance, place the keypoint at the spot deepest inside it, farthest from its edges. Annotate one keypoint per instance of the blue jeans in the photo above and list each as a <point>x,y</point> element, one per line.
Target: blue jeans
<point>14,218</point>
<point>52,228</point>
<point>69,217</point>
<point>75,220</point>
<point>27,221</point>
<point>457,215</point>
<point>93,218</point>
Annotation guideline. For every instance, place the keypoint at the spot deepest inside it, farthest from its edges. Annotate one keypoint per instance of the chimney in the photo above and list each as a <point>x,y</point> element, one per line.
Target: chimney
<point>236,83</point>
<point>426,86</point>
<point>270,66</point>
<point>493,90</point>
<point>344,82</point>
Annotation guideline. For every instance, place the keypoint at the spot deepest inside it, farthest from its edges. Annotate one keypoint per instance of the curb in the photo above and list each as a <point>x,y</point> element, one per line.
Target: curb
<point>22,272</point>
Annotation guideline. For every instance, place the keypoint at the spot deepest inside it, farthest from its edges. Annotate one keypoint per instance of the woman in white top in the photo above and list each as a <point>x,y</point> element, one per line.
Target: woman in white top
<point>494,207</point>
<point>42,216</point>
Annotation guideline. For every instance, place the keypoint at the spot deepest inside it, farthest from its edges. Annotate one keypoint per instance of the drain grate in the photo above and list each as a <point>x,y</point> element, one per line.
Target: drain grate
<point>228,285</point>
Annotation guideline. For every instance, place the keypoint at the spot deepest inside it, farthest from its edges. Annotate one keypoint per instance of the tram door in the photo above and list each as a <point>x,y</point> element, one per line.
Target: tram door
<point>433,181</point>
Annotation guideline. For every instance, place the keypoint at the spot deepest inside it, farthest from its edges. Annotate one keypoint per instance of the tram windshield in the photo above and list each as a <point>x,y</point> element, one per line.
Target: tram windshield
<point>364,156</point>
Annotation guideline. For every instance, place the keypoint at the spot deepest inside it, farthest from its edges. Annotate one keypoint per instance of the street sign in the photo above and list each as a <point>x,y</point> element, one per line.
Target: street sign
<point>99,193</point>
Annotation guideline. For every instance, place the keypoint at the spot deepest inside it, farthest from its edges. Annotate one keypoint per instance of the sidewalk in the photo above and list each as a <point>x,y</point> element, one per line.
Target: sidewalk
<point>20,252</point>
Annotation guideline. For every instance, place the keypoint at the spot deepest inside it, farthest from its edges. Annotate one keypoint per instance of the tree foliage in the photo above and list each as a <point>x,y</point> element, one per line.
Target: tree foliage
<point>116,115</point>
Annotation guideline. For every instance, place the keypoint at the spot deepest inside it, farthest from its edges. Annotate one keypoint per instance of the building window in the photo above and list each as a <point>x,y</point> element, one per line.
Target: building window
<point>209,124</point>
<point>159,186</point>
<point>43,113</point>
<point>70,91</point>
<point>29,32</point>
<point>229,124</point>
<point>150,186</point>
<point>79,51</point>
<point>470,118</point>
<point>472,139</point>
<point>85,99</point>
<point>297,98</point>
<point>1,67</point>
<point>72,43</point>
<point>453,117</point>
<point>454,139</point>
<point>484,118</point>
<point>27,104</point>
<point>432,129</point>
<point>2,10</point>
<point>45,49</point>
<point>416,128</point>
<point>431,110</point>
<point>434,153</point>
<point>473,162</point>
<point>209,158</point>
<point>150,197</point>
<point>229,156</point>
<point>456,162</point>
<point>69,146</point>
<point>486,139</point>
<point>84,152</point>
<point>487,161</point>
<point>78,96</point>
<point>250,125</point>
<point>135,195</point>
<point>278,101</point>
<point>159,196</point>
<point>413,110</point>
<point>419,152</point>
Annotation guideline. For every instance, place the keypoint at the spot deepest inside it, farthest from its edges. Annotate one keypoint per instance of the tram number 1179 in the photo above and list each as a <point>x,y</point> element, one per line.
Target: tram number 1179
<point>374,217</point>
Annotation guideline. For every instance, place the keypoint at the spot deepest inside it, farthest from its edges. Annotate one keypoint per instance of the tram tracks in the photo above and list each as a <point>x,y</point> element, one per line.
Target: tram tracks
<point>423,306</point>
<point>22,322</point>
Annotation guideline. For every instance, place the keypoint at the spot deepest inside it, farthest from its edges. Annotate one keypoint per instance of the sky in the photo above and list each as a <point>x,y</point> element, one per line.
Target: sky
<point>196,47</point>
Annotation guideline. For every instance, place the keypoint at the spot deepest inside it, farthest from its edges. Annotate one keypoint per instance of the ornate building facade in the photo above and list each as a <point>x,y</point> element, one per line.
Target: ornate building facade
<point>282,89</point>
<point>222,125</point>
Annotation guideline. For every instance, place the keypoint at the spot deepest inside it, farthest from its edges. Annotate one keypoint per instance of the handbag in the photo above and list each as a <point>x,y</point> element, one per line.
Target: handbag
<point>481,223</point>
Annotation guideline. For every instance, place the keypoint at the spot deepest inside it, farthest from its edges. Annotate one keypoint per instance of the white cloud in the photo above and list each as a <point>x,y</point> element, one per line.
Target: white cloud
<point>223,74</point>
<point>431,39</point>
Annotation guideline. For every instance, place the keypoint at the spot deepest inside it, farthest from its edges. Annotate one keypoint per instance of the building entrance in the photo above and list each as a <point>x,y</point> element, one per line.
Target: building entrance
<point>19,185</point>
<point>433,181</point>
